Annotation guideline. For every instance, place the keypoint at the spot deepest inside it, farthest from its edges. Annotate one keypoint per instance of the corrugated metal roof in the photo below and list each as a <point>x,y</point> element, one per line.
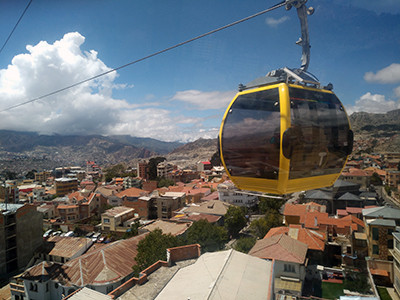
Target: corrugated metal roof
<point>68,246</point>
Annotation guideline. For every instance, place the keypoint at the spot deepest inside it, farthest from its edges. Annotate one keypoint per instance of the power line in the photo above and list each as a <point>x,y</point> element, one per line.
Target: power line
<point>148,56</point>
<point>12,31</point>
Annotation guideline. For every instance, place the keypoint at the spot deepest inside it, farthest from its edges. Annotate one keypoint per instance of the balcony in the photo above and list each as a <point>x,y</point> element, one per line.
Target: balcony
<point>16,287</point>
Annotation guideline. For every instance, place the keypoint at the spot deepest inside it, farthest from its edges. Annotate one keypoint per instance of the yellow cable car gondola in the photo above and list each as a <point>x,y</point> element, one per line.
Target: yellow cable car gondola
<point>284,133</point>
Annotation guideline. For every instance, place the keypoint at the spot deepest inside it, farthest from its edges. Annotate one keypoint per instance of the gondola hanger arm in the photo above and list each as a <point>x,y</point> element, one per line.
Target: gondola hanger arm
<point>304,40</point>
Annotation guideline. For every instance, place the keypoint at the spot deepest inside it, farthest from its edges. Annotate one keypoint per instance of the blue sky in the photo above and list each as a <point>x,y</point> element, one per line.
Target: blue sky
<point>182,94</point>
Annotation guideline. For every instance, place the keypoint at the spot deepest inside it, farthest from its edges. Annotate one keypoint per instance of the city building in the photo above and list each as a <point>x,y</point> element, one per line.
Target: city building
<point>229,193</point>
<point>167,227</point>
<point>21,233</point>
<point>143,170</point>
<point>102,270</point>
<point>65,185</point>
<point>9,192</point>
<point>68,213</point>
<point>393,178</point>
<point>225,274</point>
<point>144,206</point>
<point>396,262</point>
<point>42,176</point>
<point>118,218</point>
<point>289,257</point>
<point>62,248</point>
<point>204,166</point>
<point>168,203</point>
<point>164,168</point>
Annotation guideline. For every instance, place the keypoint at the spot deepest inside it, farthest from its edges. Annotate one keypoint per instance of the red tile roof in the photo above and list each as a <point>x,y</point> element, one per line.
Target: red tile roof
<point>280,247</point>
<point>315,240</point>
<point>132,192</point>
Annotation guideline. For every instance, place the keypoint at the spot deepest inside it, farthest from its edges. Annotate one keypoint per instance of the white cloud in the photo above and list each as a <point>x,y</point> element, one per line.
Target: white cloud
<point>373,103</point>
<point>88,108</point>
<point>390,74</point>
<point>205,100</point>
<point>275,22</point>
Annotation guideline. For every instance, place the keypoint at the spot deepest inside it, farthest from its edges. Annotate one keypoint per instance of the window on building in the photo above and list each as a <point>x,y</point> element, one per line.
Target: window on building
<point>375,249</point>
<point>390,244</point>
<point>106,220</point>
<point>289,268</point>
<point>375,233</point>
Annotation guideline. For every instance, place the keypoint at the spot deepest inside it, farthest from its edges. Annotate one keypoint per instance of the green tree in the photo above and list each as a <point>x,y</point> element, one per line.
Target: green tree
<point>375,179</point>
<point>30,174</point>
<point>215,159</point>
<point>356,282</point>
<point>133,231</point>
<point>153,162</point>
<point>267,204</point>
<point>165,182</point>
<point>153,248</point>
<point>210,237</point>
<point>234,220</point>
<point>244,244</point>
<point>114,171</point>
<point>260,227</point>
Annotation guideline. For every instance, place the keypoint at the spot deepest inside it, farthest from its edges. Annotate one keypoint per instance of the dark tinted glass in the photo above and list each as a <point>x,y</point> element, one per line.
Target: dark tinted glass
<point>251,135</point>
<point>321,131</point>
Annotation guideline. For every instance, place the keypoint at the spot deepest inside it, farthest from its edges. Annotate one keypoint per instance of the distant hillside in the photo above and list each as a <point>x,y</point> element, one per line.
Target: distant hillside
<point>376,132</point>
<point>362,121</point>
<point>189,154</point>
<point>153,145</point>
<point>21,151</point>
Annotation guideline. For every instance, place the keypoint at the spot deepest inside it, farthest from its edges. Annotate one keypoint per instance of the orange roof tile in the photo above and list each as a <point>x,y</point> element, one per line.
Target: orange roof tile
<point>314,239</point>
<point>132,192</point>
<point>280,247</point>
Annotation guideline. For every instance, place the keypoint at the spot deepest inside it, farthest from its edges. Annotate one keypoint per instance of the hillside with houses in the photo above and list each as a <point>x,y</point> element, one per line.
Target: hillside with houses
<point>108,232</point>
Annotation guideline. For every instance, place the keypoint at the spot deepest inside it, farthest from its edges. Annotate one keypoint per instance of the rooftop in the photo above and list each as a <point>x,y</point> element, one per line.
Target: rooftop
<point>221,275</point>
<point>381,222</point>
<point>117,211</point>
<point>89,294</point>
<point>168,227</point>
<point>132,192</point>
<point>213,207</point>
<point>106,265</point>
<point>9,207</point>
<point>315,240</point>
<point>385,212</point>
<point>280,247</point>
<point>67,246</point>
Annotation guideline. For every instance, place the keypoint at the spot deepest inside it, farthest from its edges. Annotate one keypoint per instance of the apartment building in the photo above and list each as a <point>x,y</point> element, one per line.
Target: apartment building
<point>396,262</point>
<point>117,217</point>
<point>393,178</point>
<point>20,235</point>
<point>42,176</point>
<point>10,192</point>
<point>229,193</point>
<point>143,170</point>
<point>168,203</point>
<point>65,185</point>
<point>163,168</point>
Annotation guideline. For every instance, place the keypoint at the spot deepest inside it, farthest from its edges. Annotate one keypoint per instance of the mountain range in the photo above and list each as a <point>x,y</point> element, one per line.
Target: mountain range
<point>23,151</point>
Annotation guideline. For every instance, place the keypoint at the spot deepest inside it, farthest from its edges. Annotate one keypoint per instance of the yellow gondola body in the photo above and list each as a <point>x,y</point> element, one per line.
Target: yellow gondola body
<point>282,138</point>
